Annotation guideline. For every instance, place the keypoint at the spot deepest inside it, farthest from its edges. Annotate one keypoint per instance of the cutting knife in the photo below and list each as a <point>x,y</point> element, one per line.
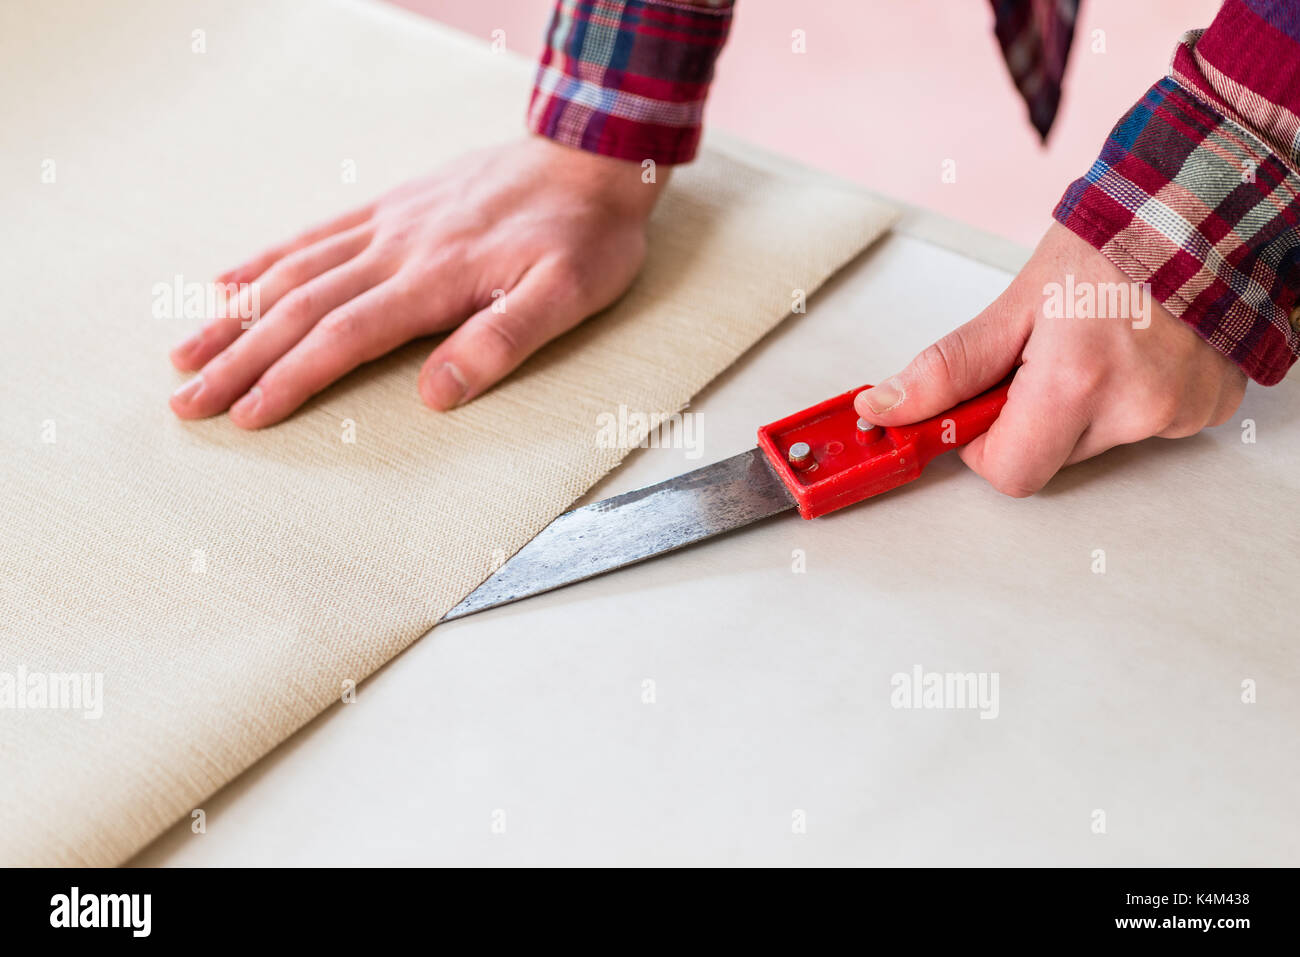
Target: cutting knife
<point>816,461</point>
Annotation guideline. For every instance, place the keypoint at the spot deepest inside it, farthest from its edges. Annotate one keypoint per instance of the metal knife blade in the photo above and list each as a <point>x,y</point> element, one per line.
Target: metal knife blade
<point>634,526</point>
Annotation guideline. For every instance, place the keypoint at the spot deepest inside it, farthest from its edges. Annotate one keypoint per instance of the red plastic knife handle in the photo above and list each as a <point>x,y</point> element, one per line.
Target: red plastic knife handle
<point>843,464</point>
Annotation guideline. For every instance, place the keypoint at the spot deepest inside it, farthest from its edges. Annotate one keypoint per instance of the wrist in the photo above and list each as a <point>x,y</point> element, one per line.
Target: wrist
<point>629,187</point>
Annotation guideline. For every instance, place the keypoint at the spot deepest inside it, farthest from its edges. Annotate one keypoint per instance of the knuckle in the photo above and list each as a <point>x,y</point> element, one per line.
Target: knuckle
<point>341,325</point>
<point>396,234</point>
<point>1014,489</point>
<point>1179,430</point>
<point>220,326</point>
<point>431,269</point>
<point>575,280</point>
<point>499,335</point>
<point>944,360</point>
<point>221,365</point>
<point>373,262</point>
<point>1223,413</point>
<point>1079,383</point>
<point>1162,411</point>
<point>1011,482</point>
<point>1183,422</point>
<point>293,269</point>
<point>296,303</point>
<point>216,374</point>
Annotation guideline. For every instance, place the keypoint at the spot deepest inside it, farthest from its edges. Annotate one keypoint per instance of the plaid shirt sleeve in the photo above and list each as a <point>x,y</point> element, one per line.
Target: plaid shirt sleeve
<point>1196,189</point>
<point>628,78</point>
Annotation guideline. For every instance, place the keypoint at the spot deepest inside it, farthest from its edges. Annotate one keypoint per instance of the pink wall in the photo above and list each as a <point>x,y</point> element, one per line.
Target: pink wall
<point>889,89</point>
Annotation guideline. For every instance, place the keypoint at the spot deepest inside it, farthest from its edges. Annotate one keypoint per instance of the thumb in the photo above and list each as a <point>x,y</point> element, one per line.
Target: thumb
<point>965,362</point>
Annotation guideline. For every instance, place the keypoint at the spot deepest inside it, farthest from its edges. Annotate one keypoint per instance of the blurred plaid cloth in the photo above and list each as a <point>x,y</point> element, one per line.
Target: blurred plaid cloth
<point>1035,36</point>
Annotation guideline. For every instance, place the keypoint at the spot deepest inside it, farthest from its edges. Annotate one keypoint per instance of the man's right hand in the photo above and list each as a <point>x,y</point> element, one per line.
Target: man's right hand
<point>546,233</point>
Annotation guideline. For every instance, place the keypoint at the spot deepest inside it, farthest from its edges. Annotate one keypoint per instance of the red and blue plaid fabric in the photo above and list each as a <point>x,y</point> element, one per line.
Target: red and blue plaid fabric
<point>1195,190</point>
<point>1035,37</point>
<point>628,78</point>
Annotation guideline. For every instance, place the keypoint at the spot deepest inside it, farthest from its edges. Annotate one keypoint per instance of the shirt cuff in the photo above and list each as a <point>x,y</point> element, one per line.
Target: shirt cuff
<point>628,78</point>
<point>1191,201</point>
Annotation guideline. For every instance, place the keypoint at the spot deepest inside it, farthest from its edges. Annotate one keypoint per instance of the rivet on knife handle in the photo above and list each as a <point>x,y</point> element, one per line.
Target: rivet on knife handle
<point>843,462</point>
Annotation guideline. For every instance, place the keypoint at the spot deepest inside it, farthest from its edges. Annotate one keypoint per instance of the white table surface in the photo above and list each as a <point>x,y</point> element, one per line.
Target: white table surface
<point>1119,692</point>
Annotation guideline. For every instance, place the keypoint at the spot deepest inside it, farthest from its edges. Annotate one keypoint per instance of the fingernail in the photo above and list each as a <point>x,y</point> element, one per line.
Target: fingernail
<point>883,397</point>
<point>445,387</point>
<point>190,390</point>
<point>249,403</point>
